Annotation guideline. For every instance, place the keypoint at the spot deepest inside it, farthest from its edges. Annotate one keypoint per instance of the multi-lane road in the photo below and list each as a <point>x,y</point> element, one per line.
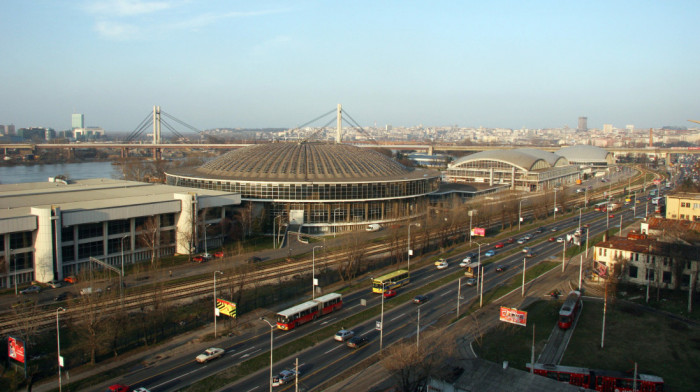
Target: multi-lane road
<point>328,358</point>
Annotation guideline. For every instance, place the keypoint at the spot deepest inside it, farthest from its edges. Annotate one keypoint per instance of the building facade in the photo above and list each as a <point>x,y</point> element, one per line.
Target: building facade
<point>52,230</point>
<point>683,206</point>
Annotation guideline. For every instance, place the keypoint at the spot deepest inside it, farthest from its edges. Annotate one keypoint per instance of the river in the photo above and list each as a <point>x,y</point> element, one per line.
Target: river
<point>74,171</point>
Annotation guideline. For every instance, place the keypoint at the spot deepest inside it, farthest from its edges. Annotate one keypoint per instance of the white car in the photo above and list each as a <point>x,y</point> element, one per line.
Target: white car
<point>284,377</point>
<point>560,239</point>
<point>209,354</point>
<point>465,262</point>
<point>442,265</point>
<point>526,249</point>
<point>343,335</point>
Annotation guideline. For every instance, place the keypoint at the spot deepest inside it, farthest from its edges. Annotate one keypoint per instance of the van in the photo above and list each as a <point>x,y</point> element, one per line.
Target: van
<point>373,227</point>
<point>90,290</point>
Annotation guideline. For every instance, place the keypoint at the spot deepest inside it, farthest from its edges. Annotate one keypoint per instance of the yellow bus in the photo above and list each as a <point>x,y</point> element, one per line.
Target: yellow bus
<point>390,281</point>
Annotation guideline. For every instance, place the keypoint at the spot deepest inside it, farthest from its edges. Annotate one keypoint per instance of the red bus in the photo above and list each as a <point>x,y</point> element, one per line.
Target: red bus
<point>600,380</point>
<point>308,311</point>
<point>602,207</point>
<point>568,311</point>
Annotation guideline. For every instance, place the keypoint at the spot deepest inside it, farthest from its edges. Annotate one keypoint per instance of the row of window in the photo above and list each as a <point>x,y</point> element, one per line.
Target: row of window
<point>19,240</point>
<point>372,190</point>
<point>695,206</point>
<point>114,245</point>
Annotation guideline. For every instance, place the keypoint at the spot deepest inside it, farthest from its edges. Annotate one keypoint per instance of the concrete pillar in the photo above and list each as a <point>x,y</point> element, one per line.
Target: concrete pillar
<point>43,245</point>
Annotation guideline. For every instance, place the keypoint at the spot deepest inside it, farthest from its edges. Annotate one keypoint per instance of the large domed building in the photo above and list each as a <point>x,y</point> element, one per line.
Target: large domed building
<point>324,187</point>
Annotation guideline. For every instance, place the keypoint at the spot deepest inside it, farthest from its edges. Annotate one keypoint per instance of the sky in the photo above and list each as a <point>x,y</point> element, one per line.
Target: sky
<point>258,64</point>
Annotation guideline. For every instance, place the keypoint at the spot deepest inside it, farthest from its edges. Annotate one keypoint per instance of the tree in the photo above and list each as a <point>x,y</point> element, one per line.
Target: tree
<point>150,237</point>
<point>355,251</point>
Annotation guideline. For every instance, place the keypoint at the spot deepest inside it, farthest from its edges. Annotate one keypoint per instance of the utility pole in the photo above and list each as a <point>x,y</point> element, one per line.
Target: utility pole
<point>522,289</point>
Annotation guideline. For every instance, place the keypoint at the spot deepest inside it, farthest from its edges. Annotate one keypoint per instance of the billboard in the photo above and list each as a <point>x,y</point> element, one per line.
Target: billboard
<point>15,349</point>
<point>226,307</point>
<point>513,316</point>
<point>478,232</point>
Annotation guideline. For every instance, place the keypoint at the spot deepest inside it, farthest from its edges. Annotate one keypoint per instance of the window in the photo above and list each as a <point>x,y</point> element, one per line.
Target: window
<point>21,239</point>
<point>90,230</point>
<point>68,253</point>
<point>633,271</point>
<point>667,277</point>
<point>90,249</point>
<point>118,226</point>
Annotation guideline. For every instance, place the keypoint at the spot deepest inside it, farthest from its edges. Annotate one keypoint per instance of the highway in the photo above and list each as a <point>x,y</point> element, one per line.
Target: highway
<point>330,357</point>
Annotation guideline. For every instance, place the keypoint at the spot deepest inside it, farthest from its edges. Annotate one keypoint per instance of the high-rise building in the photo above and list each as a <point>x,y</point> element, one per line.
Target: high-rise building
<point>77,120</point>
<point>582,124</point>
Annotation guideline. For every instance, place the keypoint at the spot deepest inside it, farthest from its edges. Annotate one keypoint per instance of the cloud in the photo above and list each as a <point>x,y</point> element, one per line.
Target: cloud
<point>210,18</point>
<point>118,31</point>
<point>127,7</point>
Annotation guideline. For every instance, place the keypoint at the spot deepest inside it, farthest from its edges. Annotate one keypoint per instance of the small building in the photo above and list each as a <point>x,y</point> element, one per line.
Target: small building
<point>683,206</point>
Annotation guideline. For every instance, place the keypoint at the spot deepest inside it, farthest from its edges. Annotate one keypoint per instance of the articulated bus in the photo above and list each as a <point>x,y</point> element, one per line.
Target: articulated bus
<point>390,281</point>
<point>568,311</point>
<point>290,318</point>
<point>600,380</point>
<point>602,206</point>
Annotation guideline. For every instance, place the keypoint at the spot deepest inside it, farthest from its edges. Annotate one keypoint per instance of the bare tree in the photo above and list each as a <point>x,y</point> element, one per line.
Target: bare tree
<point>355,251</point>
<point>150,237</point>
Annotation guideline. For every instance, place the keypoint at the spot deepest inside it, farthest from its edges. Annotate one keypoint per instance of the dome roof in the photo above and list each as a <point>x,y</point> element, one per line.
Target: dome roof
<point>313,162</point>
<point>586,153</point>
<point>524,158</point>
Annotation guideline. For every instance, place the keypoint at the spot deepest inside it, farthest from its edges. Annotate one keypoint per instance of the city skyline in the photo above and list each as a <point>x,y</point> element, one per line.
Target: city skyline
<point>279,64</point>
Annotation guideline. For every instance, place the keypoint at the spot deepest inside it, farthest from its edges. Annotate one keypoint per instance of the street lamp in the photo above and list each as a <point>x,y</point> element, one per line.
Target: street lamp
<point>459,293</point>
<point>520,208</point>
<point>579,219</point>
<point>58,345</point>
<point>206,253</point>
<point>215,308</point>
<point>14,274</point>
<point>408,264</point>
<point>555,203</point>
<point>272,329</point>
<point>313,270</point>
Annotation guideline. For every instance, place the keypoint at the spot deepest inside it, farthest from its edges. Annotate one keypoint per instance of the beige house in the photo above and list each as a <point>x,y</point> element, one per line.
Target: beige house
<point>683,206</point>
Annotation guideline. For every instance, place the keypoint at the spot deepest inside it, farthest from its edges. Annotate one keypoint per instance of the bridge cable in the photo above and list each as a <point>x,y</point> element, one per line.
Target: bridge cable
<point>323,128</point>
<point>181,122</point>
<point>315,119</point>
<point>136,131</point>
<point>140,131</point>
<point>362,130</point>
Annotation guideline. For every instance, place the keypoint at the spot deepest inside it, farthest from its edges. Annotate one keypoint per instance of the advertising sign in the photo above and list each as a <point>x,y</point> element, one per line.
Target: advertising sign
<point>478,232</point>
<point>15,349</point>
<point>657,182</point>
<point>226,307</point>
<point>601,269</point>
<point>513,316</point>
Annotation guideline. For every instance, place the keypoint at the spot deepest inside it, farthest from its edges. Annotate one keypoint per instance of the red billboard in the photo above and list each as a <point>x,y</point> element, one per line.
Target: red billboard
<point>15,349</point>
<point>513,316</point>
<point>478,232</point>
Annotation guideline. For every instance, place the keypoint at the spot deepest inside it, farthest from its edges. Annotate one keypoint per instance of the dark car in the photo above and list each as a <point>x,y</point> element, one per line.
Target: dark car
<point>358,341</point>
<point>33,289</point>
<point>501,268</point>
<point>64,296</point>
<point>419,299</point>
<point>510,240</point>
<point>254,259</point>
<point>539,231</point>
<point>472,255</point>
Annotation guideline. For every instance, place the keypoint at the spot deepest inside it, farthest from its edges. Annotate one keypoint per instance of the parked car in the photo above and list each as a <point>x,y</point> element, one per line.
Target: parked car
<point>490,253</point>
<point>71,279</point>
<point>343,335</point>
<point>471,281</point>
<point>419,299</point>
<point>54,284</point>
<point>33,289</point>
<point>373,227</point>
<point>209,354</point>
<point>389,293</point>
<point>357,341</point>
<point>285,377</point>
<point>219,254</point>
<point>442,265</point>
<point>501,268</point>
<point>498,245</point>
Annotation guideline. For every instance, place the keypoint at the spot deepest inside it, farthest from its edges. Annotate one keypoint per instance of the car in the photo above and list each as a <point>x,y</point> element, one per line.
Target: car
<point>553,229</point>
<point>343,335</point>
<point>219,254</point>
<point>560,239</point>
<point>209,354</point>
<point>254,259</point>
<point>118,388</point>
<point>528,237</point>
<point>33,289</point>
<point>526,249</point>
<point>419,299</point>
<point>357,341</point>
<point>498,245</point>
<point>551,239</point>
<point>612,215</point>
<point>465,262</point>
<point>442,265</point>
<point>207,256</point>
<point>71,279</point>
<point>90,290</point>
<point>539,231</point>
<point>284,377</point>
<point>510,240</point>
<point>389,293</point>
<point>471,281</point>
<point>54,284</point>
<point>501,268</point>
<point>586,225</point>
<point>472,255</point>
<point>490,253</point>
<point>66,295</point>
<point>530,254</point>
<point>440,261</point>
<point>142,389</point>
<point>522,240</point>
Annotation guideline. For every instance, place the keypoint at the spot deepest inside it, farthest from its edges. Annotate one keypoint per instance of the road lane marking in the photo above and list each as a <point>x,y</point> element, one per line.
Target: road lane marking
<point>182,375</point>
<point>252,389</point>
<point>398,317</point>
<point>334,348</point>
<point>249,354</point>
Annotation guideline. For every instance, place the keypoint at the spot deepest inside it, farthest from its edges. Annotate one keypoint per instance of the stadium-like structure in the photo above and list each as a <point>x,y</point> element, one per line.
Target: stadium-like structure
<point>522,169</point>
<point>323,187</point>
<point>586,156</point>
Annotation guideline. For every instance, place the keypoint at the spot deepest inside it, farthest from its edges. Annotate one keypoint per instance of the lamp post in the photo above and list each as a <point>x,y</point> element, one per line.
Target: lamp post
<point>272,328</point>
<point>459,293</point>
<point>408,264</point>
<point>313,270</point>
<point>58,345</point>
<point>520,209</point>
<point>563,256</point>
<point>585,197</point>
<point>607,215</point>
<point>555,203</point>
<point>579,219</point>
<point>215,308</point>
<point>206,253</point>
<point>14,274</point>
<point>522,289</point>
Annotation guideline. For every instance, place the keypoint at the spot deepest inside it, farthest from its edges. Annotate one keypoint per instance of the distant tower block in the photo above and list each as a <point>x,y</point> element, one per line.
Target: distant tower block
<point>78,121</point>
<point>582,124</point>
